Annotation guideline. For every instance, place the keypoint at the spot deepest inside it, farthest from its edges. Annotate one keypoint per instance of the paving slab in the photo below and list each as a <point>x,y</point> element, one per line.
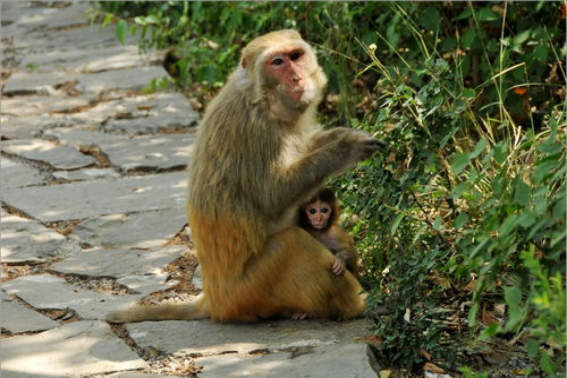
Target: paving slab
<point>22,83</point>
<point>16,175</point>
<point>28,127</point>
<point>155,152</point>
<point>331,361</point>
<point>140,114</point>
<point>46,18</point>
<point>133,79</point>
<point>91,60</point>
<point>207,337</point>
<point>91,199</point>
<point>91,36</point>
<point>147,229</point>
<point>143,271</point>
<point>59,157</point>
<point>17,318</point>
<point>25,240</point>
<point>138,374</point>
<point>47,292</point>
<point>74,350</point>
<point>43,105</point>
<point>86,174</point>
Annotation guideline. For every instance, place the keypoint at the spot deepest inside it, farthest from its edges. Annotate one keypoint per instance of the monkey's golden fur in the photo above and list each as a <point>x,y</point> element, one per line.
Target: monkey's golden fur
<point>257,157</point>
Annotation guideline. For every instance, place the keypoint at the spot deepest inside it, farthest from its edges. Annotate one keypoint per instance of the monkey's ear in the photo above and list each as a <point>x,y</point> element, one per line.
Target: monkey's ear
<point>243,62</point>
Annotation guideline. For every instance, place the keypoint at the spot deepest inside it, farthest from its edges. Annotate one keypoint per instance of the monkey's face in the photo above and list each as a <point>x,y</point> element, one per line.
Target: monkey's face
<point>289,71</point>
<point>318,213</point>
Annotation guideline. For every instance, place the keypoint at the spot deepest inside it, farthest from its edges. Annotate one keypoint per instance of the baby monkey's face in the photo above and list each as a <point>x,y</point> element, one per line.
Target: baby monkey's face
<point>318,214</point>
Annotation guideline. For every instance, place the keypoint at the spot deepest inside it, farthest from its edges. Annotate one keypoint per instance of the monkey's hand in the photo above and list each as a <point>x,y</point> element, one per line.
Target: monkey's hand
<point>338,266</point>
<point>362,145</point>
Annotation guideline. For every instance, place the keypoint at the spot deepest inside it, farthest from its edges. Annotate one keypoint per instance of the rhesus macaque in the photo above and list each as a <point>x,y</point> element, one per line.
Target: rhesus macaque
<point>320,217</point>
<point>260,153</point>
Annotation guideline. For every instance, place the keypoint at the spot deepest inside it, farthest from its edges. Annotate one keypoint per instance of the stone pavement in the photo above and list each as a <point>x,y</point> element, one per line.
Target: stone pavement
<point>92,219</point>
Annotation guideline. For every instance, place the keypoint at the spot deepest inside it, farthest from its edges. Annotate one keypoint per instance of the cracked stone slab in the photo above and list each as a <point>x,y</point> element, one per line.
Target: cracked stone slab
<point>45,18</point>
<point>91,199</point>
<point>25,240</point>
<point>140,270</point>
<point>153,152</point>
<point>91,60</point>
<point>207,337</point>
<point>331,361</point>
<point>43,105</point>
<point>90,36</point>
<point>47,292</point>
<point>59,157</point>
<point>17,318</point>
<point>28,127</point>
<point>142,114</point>
<point>86,174</point>
<point>17,175</point>
<point>133,79</point>
<point>21,83</point>
<point>147,229</point>
<point>138,374</point>
<point>73,350</point>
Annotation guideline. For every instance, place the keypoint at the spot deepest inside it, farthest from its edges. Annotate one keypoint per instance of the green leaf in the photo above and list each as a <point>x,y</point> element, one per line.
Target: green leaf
<point>491,330</point>
<point>522,192</point>
<point>430,18</point>
<point>532,347</point>
<point>486,14</point>
<point>121,29</point>
<point>469,93</point>
<point>461,220</point>
<point>468,38</point>
<point>541,52</point>
<point>501,152</point>
<point>396,223</point>
<point>437,223</point>
<point>460,161</point>
<point>465,14</point>
<point>547,364</point>
<point>480,146</point>
<point>516,312</point>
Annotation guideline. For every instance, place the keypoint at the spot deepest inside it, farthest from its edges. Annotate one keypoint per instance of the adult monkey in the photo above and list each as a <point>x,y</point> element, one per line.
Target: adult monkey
<point>259,154</point>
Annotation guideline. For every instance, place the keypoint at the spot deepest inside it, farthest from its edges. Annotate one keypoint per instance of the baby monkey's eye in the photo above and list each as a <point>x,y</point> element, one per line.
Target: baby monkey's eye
<point>325,210</point>
<point>312,211</point>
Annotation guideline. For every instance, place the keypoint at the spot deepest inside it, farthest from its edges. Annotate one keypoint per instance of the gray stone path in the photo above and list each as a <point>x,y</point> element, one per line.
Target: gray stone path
<point>93,191</point>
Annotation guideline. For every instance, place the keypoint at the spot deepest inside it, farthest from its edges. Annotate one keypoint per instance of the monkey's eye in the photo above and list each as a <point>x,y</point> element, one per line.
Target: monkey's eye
<point>296,55</point>
<point>277,62</point>
<point>325,210</point>
<point>312,211</point>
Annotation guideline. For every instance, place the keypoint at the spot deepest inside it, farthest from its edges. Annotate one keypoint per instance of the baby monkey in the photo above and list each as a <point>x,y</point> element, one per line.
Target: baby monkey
<point>320,217</point>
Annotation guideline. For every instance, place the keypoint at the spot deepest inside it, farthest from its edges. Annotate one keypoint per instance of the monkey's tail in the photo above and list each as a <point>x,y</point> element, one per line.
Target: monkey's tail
<point>198,308</point>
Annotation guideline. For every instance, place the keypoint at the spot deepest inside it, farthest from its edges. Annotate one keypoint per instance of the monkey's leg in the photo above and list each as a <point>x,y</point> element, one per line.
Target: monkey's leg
<point>198,308</point>
<point>297,277</point>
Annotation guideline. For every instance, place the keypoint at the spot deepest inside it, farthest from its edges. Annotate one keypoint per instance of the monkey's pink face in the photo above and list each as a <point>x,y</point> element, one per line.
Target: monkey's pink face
<point>318,214</point>
<point>288,67</point>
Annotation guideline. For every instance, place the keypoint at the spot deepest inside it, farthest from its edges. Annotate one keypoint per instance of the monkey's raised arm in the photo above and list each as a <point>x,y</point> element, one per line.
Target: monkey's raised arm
<point>299,179</point>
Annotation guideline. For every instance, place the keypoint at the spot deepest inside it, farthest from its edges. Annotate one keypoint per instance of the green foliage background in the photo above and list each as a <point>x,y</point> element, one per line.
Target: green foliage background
<point>465,208</point>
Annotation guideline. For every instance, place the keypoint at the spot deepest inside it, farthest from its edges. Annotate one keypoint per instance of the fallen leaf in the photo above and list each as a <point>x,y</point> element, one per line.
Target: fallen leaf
<point>426,354</point>
<point>433,368</point>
